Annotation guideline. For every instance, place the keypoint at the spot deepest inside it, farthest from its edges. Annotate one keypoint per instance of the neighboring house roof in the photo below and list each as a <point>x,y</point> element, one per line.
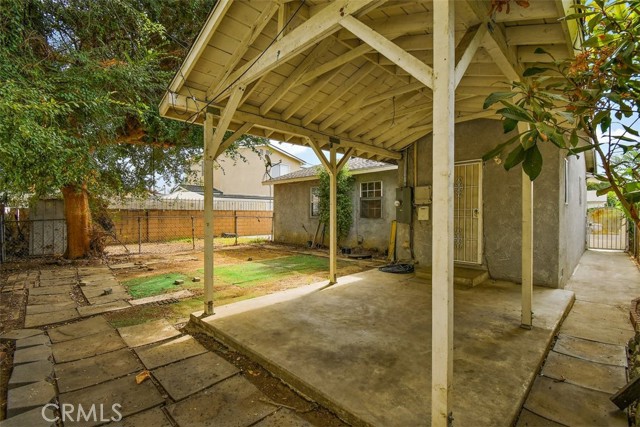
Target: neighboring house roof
<point>356,166</point>
<point>281,151</point>
<point>193,188</point>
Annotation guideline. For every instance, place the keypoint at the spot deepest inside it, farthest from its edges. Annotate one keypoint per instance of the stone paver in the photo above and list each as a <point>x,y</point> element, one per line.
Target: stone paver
<point>529,419</point>
<point>98,290</point>
<point>164,297</point>
<point>92,310</point>
<point>602,334</point>
<point>17,334</point>
<point>51,290</point>
<point>591,350</point>
<point>189,376</point>
<point>163,353</point>
<point>32,354</point>
<point>95,370</point>
<point>153,417</point>
<point>79,329</point>
<point>31,418</point>
<point>50,308</point>
<point>21,399</point>
<point>147,333</point>
<point>49,299</point>
<point>231,403</point>
<point>283,418</point>
<point>88,346</point>
<point>43,319</point>
<point>28,373</point>
<point>131,397</point>
<point>33,341</point>
<point>573,405</point>
<point>596,376</point>
<point>105,299</point>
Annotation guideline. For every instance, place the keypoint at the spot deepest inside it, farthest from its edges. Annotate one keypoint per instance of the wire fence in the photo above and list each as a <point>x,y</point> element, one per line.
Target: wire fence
<point>634,241</point>
<point>176,204</point>
<point>172,231</point>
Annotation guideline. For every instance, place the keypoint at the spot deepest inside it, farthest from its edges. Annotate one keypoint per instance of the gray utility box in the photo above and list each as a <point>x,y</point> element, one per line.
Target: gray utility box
<point>403,205</point>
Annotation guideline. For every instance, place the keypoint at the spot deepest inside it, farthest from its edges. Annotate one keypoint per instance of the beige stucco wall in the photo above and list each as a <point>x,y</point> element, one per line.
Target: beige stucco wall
<point>238,177</point>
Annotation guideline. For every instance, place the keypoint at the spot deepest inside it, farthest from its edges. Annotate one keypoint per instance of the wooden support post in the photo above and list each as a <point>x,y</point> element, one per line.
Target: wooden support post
<point>333,216</point>
<point>527,248</point>
<point>212,142</point>
<point>443,173</point>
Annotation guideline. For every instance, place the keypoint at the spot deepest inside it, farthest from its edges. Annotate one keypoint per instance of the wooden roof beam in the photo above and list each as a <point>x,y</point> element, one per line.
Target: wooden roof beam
<point>504,55</point>
<point>316,28</point>
<point>247,40</point>
<point>416,68</point>
<point>396,26</point>
<point>233,138</point>
<point>466,50</point>
<point>309,93</point>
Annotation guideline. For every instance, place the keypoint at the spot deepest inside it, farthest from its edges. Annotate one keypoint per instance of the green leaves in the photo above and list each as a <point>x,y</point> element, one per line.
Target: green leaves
<point>497,97</point>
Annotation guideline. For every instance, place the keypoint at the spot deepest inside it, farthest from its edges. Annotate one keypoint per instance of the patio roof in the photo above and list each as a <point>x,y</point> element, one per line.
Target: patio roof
<point>358,72</point>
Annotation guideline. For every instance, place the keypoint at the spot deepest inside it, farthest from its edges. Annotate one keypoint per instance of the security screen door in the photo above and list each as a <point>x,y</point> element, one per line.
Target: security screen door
<point>467,213</point>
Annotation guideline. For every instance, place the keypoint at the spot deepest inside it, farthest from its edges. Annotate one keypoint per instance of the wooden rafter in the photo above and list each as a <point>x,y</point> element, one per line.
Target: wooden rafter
<point>233,138</point>
<point>396,25</point>
<point>309,93</point>
<point>467,48</point>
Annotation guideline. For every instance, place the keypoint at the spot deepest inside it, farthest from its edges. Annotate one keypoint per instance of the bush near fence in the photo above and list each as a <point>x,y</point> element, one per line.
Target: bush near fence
<point>132,226</point>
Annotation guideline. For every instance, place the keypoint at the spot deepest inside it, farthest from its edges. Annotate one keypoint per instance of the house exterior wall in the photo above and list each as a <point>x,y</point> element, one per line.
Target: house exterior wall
<point>292,213</point>
<point>502,217</point>
<point>244,178</point>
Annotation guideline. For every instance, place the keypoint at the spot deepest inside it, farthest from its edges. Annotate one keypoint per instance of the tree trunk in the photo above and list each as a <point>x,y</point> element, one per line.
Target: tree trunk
<point>78,219</point>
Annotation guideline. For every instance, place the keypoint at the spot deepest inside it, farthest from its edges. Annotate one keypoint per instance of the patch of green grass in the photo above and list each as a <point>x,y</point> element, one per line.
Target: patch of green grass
<point>142,287</point>
<point>253,273</point>
<point>229,241</point>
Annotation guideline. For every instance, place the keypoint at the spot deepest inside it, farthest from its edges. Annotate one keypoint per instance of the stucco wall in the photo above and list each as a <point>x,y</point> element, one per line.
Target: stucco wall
<point>502,208</point>
<point>292,213</point>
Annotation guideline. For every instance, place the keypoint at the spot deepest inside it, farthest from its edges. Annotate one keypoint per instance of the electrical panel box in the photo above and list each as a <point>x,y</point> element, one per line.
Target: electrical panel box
<point>403,205</point>
<point>423,213</point>
<point>423,195</point>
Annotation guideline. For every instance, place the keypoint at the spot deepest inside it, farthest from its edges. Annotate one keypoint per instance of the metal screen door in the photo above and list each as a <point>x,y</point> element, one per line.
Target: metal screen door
<point>467,213</point>
<point>607,229</point>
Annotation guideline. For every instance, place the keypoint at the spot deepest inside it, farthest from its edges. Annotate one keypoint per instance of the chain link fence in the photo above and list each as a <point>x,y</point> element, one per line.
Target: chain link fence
<point>152,231</point>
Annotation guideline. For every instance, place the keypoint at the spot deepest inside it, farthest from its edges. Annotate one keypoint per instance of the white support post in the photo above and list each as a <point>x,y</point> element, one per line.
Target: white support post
<point>442,230</point>
<point>212,143</point>
<point>333,216</point>
<point>208,217</point>
<point>527,251</point>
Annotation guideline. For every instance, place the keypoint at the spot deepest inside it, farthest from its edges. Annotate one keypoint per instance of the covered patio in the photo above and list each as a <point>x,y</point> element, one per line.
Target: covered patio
<point>369,78</point>
<point>362,347</point>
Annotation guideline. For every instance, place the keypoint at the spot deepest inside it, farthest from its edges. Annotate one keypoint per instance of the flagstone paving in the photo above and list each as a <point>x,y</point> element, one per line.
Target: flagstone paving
<point>588,361</point>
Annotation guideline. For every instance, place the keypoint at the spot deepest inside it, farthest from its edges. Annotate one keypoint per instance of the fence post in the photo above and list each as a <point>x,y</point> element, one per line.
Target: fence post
<point>193,233</point>
<point>2,233</point>
<point>139,235</point>
<point>235,226</point>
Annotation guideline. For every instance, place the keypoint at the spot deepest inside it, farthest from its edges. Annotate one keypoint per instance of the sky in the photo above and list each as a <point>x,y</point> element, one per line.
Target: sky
<point>305,153</point>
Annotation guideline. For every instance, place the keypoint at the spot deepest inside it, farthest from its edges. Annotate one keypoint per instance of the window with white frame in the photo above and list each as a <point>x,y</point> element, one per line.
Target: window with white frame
<point>314,204</point>
<point>279,170</point>
<point>371,199</point>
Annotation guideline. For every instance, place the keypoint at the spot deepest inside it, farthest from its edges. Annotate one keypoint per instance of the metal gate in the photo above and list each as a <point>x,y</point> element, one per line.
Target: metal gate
<point>607,229</point>
<point>467,213</point>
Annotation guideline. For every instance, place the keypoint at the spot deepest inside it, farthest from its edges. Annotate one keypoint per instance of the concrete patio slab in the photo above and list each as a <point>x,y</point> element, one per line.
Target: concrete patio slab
<point>95,370</point>
<point>614,316</point>
<point>32,354</point>
<point>147,333</point>
<point>591,350</point>
<point>32,320</point>
<point>79,329</point>
<point>189,376</point>
<point>50,290</point>
<point>49,299</point>
<point>363,349</point>
<point>33,341</point>
<point>153,418</point>
<point>232,403</point>
<point>529,419</point>
<point>91,345</point>
<point>92,310</point>
<point>131,397</point>
<point>163,353</point>
<point>35,395</point>
<point>31,418</point>
<point>596,376</point>
<point>28,373</point>
<point>283,418</point>
<point>573,405</point>
<point>50,308</point>
<point>16,334</point>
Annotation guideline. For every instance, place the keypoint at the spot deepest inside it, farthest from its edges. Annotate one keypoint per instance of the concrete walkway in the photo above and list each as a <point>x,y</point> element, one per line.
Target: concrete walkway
<point>588,361</point>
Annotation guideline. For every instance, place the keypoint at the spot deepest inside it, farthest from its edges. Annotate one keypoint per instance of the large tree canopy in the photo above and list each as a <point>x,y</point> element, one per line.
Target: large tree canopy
<point>80,85</point>
<point>590,102</point>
